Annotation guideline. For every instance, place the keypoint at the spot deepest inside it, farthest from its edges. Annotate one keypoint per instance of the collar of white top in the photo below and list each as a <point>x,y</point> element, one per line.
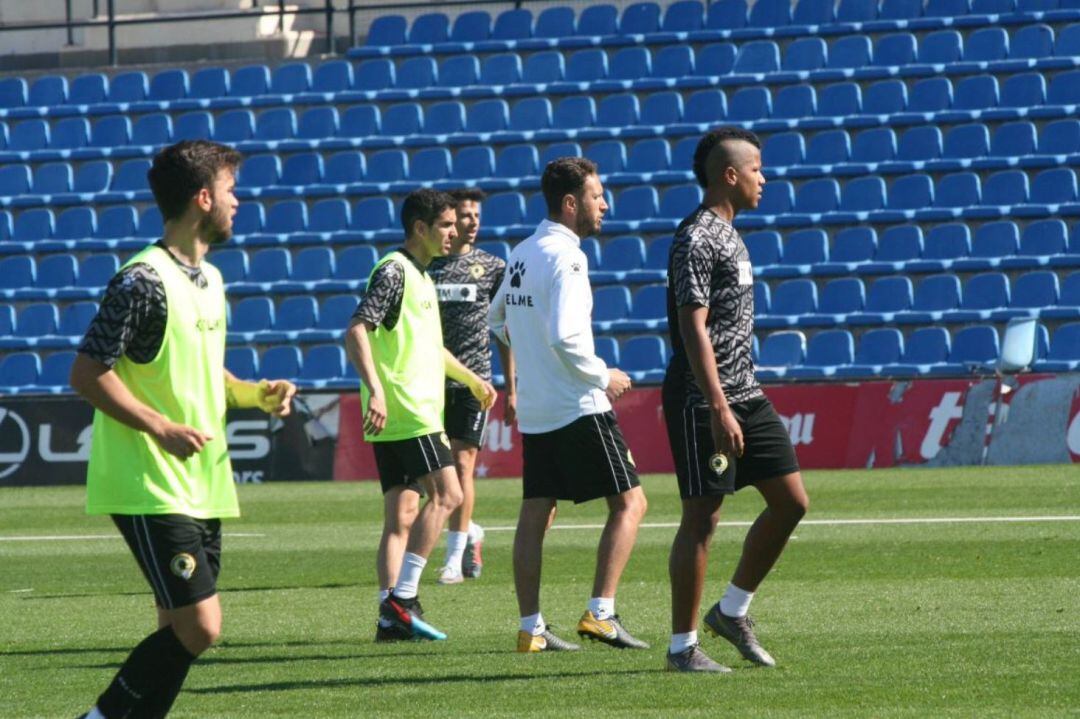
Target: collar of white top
<point>557,228</point>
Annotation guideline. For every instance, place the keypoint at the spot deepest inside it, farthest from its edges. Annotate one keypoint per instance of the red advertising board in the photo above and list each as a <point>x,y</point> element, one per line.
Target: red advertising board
<point>834,425</point>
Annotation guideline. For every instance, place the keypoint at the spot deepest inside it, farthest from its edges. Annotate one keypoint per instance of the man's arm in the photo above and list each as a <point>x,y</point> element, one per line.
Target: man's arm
<point>99,385</point>
<point>271,396</point>
<point>506,355</point>
<point>480,389</point>
<point>358,348</point>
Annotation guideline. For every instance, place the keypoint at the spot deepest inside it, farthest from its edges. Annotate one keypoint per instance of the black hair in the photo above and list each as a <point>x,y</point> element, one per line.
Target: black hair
<point>425,205</point>
<point>467,194</point>
<point>565,176</point>
<point>712,139</point>
<point>181,170</point>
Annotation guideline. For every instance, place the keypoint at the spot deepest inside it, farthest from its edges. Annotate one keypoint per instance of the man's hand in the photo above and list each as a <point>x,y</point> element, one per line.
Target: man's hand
<point>618,384</point>
<point>485,392</point>
<point>180,440</point>
<point>726,432</point>
<point>275,396</point>
<point>375,417</point>
<point>510,407</point>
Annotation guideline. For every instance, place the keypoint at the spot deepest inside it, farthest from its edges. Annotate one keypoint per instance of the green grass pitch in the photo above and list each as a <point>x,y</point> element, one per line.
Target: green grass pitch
<point>866,620</point>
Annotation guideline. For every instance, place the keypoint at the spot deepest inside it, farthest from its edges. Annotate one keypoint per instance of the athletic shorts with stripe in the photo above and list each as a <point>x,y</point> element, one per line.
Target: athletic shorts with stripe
<point>465,420</point>
<point>403,462</point>
<point>584,460</point>
<point>180,556</point>
<point>768,452</point>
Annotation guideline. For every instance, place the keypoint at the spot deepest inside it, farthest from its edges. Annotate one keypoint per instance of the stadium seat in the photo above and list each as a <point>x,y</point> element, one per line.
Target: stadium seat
<point>249,81</point>
<point>373,213</point>
<point>290,79</point>
<point>313,264</point>
<point>37,320</point>
<point>805,54</point>
<point>828,148</point>
<point>317,123</point>
<point>29,135</point>
<point>795,101</point>
<point>168,85</point>
<point>471,26</point>
<point>1044,238</point>
<point>554,22</point>
<point>644,357</point>
<point>995,240</point>
<point>806,247</point>
<point>783,149</point>
<point>673,61</point>
<point>630,63</point>
<point>1064,352</point>
<point>430,164</point>
<point>270,265</point>
<point>923,349</point>
<point>276,124</point>
<point>69,134</point>
<point>532,113</point>
<point>445,118</point>
<point>95,271</point>
<point>726,15</point>
<point>20,369</point>
<point>757,56</point>
<point>941,47</point>
<point>209,82</point>
<point>1060,138</point>
<point>1034,291</point>
<point>129,87</point>
<point>111,131</point>
<point>826,351</point>
<point>242,362</point>
<point>76,223</point>
<point>55,370</point>
<point>322,363</point>
<point>54,271</point>
<point>622,254</point>
<point>782,349</point>
<point>877,350</point>
<point>853,245</point>
<point>511,25</point>
<point>117,222</point>
<point>765,248</point>
<point>610,304</point>
<point>387,30</point>
<point>987,45</point>
<point>387,166</point>
<point>598,21</point>
<point>885,297</point>
<point>900,243</point>
<point>234,126</point>
<point>280,363</point>
<point>294,314</point>
<point>34,225</point>
<point>895,50</point>
<point>794,298</point>
<point>232,263</point>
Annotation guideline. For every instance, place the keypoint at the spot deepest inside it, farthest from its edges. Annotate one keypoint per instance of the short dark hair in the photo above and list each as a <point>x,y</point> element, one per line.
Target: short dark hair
<point>711,140</point>
<point>181,170</point>
<point>565,176</point>
<point>425,205</point>
<point>467,194</point>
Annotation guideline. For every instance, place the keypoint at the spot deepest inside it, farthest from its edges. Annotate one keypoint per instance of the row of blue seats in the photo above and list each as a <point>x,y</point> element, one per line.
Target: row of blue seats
<point>390,35</point>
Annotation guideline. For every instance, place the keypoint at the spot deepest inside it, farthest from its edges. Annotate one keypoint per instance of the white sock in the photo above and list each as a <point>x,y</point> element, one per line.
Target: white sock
<point>602,607</point>
<point>95,713</point>
<point>735,602</point>
<point>681,642</point>
<point>412,566</point>
<point>476,532</point>
<point>533,624</point>
<point>455,549</point>
<point>383,594</point>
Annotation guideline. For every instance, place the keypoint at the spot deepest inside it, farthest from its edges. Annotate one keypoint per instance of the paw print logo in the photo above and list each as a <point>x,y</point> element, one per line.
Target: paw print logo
<point>517,270</point>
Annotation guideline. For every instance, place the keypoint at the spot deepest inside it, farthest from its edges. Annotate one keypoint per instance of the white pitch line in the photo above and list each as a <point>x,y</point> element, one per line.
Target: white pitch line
<point>838,522</point>
<point>80,537</point>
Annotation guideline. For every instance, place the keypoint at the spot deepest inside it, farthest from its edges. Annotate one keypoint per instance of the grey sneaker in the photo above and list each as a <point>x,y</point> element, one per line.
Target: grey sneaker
<point>472,564</point>
<point>609,631</point>
<point>740,632</point>
<point>694,660</point>
<point>545,642</point>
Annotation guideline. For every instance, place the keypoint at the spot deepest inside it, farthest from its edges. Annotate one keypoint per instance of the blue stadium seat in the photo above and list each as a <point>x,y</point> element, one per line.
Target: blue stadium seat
<point>429,28</point>
<point>960,189</point>
<point>232,263</point>
<point>643,355</point>
<point>575,112</point>
<point>640,18</point>
<point>649,305</point>
<point>587,65</point>
<point>313,264</point>
<point>1035,290</point>
<point>498,248</point>
<point>129,87</point>
<point>727,15</point>
<point>828,148</point>
<point>662,109</point>
<point>995,240</point>
<point>805,54</point>
<point>249,81</point>
<point>1064,351</point>
<point>1044,238</point>
<point>841,297</point>
<point>987,45</point>
<point>925,347</point>
<point>417,72</point>
<point>1023,91</point>
<point>750,103</point>
<point>332,76</point>
<point>117,222</point>
<point>47,91</point>
<point>243,362</point>
<point>806,247</point>
<point>544,67</point>
<point>336,311</point>
<point>95,271</point>
<point>209,82</point>
<point>716,59</point>
<point>445,118</point>
<point>1013,139</point>
<point>554,22</point>
<point>825,352</point>
<point>630,63</point>
<point>55,271</point>
<point>607,349</point>
<point>794,298</point>
<point>76,223</point>
<point>777,198</point>
<point>967,141</point>
<point>504,209</point>
<point>622,254</point>
<point>610,304</point>
<point>618,110</point>
<point>856,10</point>
<point>260,171</point>
<point>784,149</point>
<point>765,248</point>
<point>361,121</point>
<point>69,134</point>
<point>1006,188</point>
<point>850,52</point>
<point>886,97</point>
<point>513,25</point>
<point>947,8</point>
<point>1053,186</point>
<point>473,162</point>
<point>430,164</point>
<point>14,180</point>
<point>637,203</point>
<point>55,370</point>
<point>1060,137</point>
<point>286,217</point>
<point>609,156</point>
<point>885,297</point>
<point>201,126</point>
<point>93,177</point>
<point>249,218</point>
<point>649,156</point>
<point>280,363</point>
<point>20,369</point>
<point>911,192</point>
<point>705,106</point>
<point>674,61</point>
<point>895,50</point>
<point>656,254</point>
<point>533,113</point>
<point>488,116</point>
<point>270,265</point>
<point>947,242</point>
<point>294,314</point>
<point>515,161</point>
<point>375,74</point>
<point>987,291</point>
<point>678,201</point>
<point>597,21</point>
<point>854,244</point>
<point>471,26</point>
<point>12,92</point>
<point>935,294</point>
<point>111,131</point>
<point>355,263</point>
<point>975,345</point>
<point>813,12</point>
<point>373,213</point>
<point>387,30</point>
<point>168,85</point>
<point>29,135</point>
<point>318,123</point>
<point>977,92</point>
<point>683,16</point>
<point>34,225</point>
<point>933,94</point>
<point>323,362</point>
<point>770,13</point>
<point>150,223</point>
<point>152,129</point>
<point>330,215</point>
<point>536,208</point>
<point>1064,89</point>
<point>877,349</point>
<point>900,9</point>
<point>821,195</point>
<point>900,243</point>
<point>795,101</point>
<point>277,124</point>
<point>76,318</point>
<point>757,56</point>
<point>783,349</point>
<point>458,71</point>
<point>37,320</point>
<point>941,47</point>
<point>387,166</point>
<point>290,79</point>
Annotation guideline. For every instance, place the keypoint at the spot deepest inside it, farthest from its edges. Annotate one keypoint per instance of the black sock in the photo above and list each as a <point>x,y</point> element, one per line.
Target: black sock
<point>159,663</point>
<point>158,704</point>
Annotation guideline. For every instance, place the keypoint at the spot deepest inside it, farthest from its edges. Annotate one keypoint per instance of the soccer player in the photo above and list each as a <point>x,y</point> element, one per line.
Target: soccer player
<point>724,432</point>
<point>152,365</point>
<point>573,448</point>
<point>395,343</point>
<point>466,280</point>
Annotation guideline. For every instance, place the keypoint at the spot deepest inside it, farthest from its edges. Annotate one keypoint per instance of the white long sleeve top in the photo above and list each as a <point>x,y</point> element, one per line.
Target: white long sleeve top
<point>545,306</point>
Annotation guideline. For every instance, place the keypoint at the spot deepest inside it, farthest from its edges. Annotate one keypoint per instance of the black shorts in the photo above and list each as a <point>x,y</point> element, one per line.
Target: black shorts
<point>179,555</point>
<point>584,460</point>
<point>403,462</point>
<point>767,453</point>
<point>464,419</point>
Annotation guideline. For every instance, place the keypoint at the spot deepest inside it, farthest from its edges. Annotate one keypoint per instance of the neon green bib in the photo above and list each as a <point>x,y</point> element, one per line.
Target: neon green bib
<point>129,473</point>
<point>409,360</point>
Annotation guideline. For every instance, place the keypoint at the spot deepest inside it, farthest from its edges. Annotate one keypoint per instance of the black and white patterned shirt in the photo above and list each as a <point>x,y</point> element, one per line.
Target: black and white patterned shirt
<point>132,315</point>
<point>466,284</point>
<point>381,303</point>
<point>709,266</point>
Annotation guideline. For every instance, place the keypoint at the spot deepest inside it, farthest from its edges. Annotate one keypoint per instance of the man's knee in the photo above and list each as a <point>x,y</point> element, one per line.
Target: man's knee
<point>199,634</point>
<point>700,517</point>
<point>631,504</point>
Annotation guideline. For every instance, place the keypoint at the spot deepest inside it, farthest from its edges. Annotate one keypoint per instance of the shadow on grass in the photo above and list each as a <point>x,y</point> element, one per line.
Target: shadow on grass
<point>65,650</point>
<point>403,681</point>
<point>225,591</point>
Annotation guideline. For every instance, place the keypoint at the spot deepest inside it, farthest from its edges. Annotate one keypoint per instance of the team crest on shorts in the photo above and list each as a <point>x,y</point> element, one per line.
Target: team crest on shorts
<point>183,565</point>
<point>444,439</point>
<point>476,271</point>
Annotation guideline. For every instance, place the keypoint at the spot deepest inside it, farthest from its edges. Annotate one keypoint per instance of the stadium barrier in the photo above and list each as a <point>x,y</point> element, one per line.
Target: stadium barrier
<point>1030,419</point>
